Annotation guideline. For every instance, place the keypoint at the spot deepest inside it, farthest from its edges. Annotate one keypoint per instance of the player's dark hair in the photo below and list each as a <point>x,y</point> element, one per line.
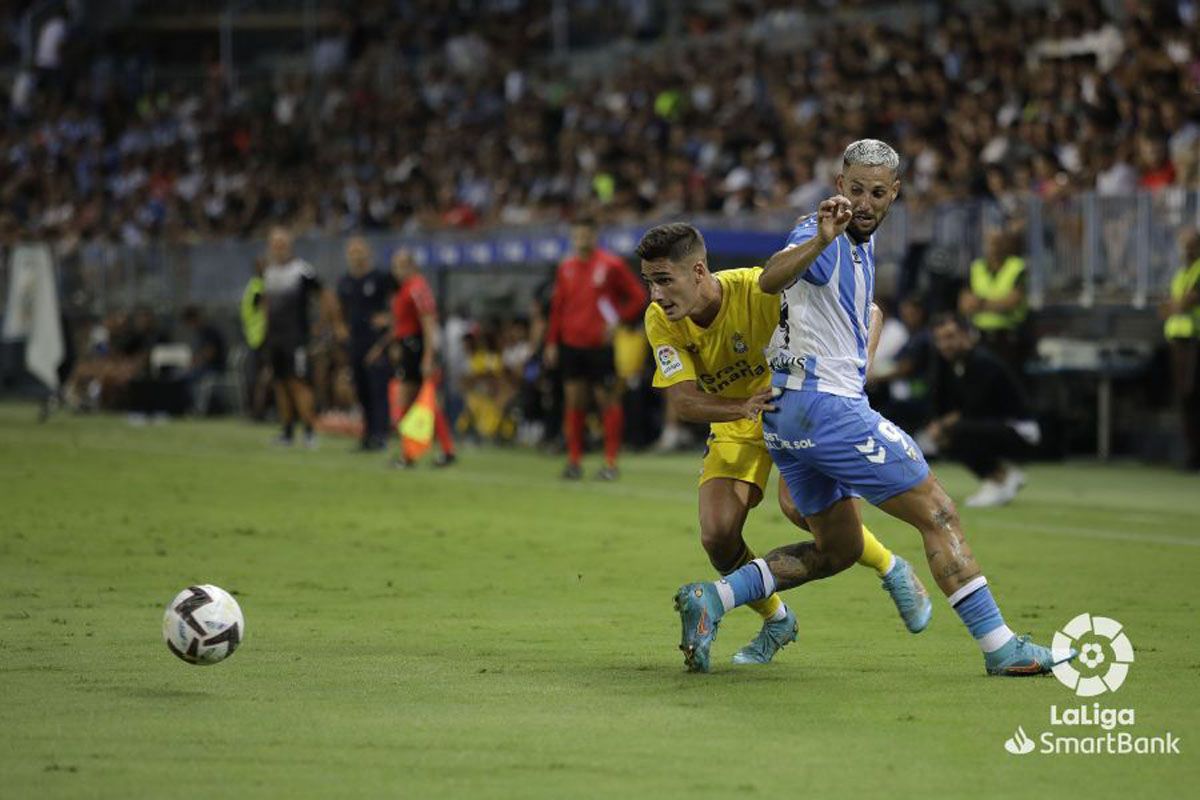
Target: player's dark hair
<point>584,221</point>
<point>674,241</point>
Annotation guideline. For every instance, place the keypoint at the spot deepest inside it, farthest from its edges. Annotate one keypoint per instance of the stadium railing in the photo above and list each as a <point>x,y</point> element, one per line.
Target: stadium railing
<point>1083,251</point>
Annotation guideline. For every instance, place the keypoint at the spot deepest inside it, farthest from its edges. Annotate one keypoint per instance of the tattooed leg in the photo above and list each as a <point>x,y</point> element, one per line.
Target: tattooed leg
<point>930,510</point>
<point>837,544</point>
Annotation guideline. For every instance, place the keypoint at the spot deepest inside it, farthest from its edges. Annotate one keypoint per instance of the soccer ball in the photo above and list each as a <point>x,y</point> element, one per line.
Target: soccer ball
<point>203,625</point>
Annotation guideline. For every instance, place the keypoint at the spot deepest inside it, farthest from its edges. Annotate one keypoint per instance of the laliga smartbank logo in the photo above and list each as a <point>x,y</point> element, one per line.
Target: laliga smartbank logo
<point>1101,665</point>
<point>1105,654</point>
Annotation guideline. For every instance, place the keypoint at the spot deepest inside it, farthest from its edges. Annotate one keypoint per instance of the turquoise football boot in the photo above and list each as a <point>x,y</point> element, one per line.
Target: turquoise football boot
<point>700,610</point>
<point>1020,657</point>
<point>773,637</point>
<point>909,595</point>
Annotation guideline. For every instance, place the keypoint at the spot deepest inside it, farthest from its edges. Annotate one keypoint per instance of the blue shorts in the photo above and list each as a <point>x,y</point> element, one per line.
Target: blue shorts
<point>829,447</point>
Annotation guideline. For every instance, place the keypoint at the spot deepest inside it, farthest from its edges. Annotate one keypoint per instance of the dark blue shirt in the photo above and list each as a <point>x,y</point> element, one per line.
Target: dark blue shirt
<point>361,299</point>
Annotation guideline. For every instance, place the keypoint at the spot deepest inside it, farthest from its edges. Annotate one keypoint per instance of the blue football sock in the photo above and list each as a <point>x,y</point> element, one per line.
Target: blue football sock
<point>746,584</point>
<point>981,615</point>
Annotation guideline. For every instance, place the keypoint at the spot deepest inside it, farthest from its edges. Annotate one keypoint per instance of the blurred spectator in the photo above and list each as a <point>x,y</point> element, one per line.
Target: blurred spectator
<point>482,417</point>
<point>995,300</point>
<point>365,294</point>
<point>1182,330</point>
<point>981,415</point>
<point>288,284</point>
<point>519,390</point>
<point>113,358</point>
<point>255,368</point>
<point>425,120</point>
<point>898,382</point>
<point>208,359</point>
<point>631,352</point>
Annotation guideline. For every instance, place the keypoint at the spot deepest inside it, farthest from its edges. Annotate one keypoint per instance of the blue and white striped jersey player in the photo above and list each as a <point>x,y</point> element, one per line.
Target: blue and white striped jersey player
<point>831,446</point>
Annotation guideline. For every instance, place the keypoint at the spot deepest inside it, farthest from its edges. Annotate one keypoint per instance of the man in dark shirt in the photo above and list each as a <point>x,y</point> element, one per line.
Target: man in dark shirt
<point>288,283</point>
<point>981,413</point>
<point>364,293</point>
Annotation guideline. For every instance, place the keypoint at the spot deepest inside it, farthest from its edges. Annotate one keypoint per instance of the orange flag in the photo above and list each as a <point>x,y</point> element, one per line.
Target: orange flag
<point>416,428</point>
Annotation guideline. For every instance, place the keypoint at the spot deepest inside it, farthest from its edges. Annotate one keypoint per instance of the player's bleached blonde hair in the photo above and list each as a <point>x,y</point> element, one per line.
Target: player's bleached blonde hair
<point>871,153</point>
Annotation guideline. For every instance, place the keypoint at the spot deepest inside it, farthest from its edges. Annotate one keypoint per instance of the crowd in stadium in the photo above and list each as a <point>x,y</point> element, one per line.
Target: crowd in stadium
<point>407,126</point>
<point>393,120</point>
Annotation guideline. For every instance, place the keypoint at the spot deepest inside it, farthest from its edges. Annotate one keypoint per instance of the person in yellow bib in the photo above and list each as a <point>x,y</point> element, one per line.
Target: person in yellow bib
<point>708,333</point>
<point>1181,327</point>
<point>255,377</point>
<point>994,300</point>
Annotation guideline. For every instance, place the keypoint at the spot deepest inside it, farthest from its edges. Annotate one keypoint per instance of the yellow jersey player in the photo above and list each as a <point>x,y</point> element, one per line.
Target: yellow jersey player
<point>708,333</point>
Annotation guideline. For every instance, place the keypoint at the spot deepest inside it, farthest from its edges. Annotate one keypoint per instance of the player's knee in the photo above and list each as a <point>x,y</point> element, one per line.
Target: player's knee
<point>935,511</point>
<point>944,512</point>
<point>722,544</point>
<point>941,516</point>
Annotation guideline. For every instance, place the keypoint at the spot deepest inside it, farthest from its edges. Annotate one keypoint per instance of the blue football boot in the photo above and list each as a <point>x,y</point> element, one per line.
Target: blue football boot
<point>700,610</point>
<point>909,595</point>
<point>770,640</point>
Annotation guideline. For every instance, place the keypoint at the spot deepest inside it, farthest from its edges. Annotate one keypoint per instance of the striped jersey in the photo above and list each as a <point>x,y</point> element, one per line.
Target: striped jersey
<point>824,318</point>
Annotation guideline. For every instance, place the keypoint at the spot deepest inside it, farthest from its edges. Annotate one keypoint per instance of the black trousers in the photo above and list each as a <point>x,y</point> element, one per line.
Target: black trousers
<point>982,444</point>
<point>370,384</point>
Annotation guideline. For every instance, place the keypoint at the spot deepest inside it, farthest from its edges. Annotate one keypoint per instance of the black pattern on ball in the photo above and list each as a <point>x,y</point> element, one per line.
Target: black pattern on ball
<point>230,634</point>
<point>185,608</point>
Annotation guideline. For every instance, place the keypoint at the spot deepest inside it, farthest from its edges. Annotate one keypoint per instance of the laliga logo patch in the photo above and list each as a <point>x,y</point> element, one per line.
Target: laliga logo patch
<point>739,344</point>
<point>1105,654</point>
<point>668,360</point>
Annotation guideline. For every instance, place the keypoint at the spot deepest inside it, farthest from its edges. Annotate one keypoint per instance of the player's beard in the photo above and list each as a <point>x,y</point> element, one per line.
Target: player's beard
<point>862,237</point>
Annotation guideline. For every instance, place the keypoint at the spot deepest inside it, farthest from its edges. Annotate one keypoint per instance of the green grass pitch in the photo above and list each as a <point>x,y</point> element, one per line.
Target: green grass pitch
<point>489,631</point>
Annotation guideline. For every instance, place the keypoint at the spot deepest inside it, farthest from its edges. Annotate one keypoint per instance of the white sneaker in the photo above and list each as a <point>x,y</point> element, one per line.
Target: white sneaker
<point>669,440</point>
<point>1014,479</point>
<point>991,493</point>
<point>926,442</point>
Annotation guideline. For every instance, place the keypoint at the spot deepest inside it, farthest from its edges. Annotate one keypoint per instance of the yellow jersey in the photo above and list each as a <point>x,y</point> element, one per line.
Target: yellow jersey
<point>727,358</point>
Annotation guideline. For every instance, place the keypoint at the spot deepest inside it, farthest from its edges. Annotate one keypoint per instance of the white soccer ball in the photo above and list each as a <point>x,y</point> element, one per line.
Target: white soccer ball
<point>203,625</point>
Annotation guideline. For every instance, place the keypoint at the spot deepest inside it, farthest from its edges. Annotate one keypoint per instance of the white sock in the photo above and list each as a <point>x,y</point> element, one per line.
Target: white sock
<point>993,640</point>
<point>780,614</point>
<point>767,578</point>
<point>725,592</point>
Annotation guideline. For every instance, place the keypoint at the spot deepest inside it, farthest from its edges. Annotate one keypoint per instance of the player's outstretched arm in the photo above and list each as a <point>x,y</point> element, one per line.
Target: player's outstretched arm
<point>694,405</point>
<point>782,269</point>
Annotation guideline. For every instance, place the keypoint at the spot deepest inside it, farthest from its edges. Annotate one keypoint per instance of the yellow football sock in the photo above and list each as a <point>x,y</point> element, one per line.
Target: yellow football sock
<point>875,554</point>
<point>765,608</point>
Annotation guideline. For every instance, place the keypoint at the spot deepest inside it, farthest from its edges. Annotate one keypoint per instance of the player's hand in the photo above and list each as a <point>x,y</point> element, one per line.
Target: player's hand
<point>373,355</point>
<point>833,215</point>
<point>550,356</point>
<point>758,403</point>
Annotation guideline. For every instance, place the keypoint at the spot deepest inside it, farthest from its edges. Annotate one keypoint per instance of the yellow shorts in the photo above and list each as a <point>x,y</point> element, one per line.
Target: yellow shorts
<point>736,457</point>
